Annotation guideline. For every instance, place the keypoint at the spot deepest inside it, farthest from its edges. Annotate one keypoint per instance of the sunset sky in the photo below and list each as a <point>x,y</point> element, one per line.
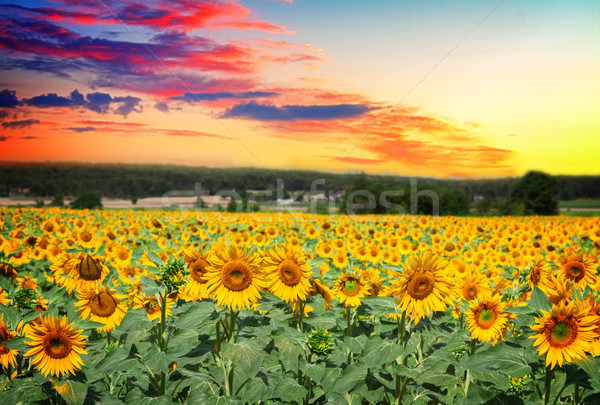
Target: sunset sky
<point>419,88</point>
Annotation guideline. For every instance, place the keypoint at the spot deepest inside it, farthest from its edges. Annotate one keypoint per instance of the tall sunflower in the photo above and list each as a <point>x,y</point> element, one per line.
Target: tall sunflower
<point>56,346</point>
<point>486,318</point>
<point>234,277</point>
<point>7,356</point>
<point>578,267</point>
<point>102,305</point>
<point>197,262</point>
<point>286,273</point>
<point>349,288</point>
<point>565,333</point>
<point>424,286</point>
<point>471,285</point>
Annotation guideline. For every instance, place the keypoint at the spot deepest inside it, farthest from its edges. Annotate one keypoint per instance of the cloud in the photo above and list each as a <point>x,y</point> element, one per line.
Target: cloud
<point>182,132</point>
<point>97,102</point>
<point>193,97</point>
<point>3,138</point>
<point>81,129</point>
<point>3,114</point>
<point>8,99</point>
<point>162,106</point>
<point>19,124</point>
<point>267,112</point>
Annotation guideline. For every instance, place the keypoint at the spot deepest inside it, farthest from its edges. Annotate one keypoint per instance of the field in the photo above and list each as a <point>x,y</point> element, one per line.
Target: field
<point>149,307</point>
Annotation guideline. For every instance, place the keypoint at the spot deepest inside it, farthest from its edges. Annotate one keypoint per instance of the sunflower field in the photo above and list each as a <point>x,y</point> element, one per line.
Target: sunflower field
<point>152,307</point>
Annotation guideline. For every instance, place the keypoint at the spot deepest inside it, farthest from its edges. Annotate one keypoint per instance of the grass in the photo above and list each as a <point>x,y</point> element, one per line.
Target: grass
<point>579,204</point>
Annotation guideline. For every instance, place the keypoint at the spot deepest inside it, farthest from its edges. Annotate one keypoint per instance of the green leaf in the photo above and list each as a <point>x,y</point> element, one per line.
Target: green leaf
<point>150,286</point>
<point>244,356</point>
<point>255,391</point>
<point>287,389</point>
<point>352,377</point>
<point>322,320</point>
<point>194,314</point>
<point>380,305</point>
<point>290,351</point>
<point>154,258</point>
<point>501,358</point>
<point>72,392</point>
<point>136,396</point>
<point>379,351</point>
<point>539,300</point>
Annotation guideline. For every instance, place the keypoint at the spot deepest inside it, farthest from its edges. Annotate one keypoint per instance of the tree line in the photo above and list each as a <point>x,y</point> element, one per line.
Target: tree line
<point>456,197</point>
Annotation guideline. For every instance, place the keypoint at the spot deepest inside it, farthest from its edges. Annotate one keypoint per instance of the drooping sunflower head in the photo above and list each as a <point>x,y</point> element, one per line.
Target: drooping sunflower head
<point>102,305</point>
<point>286,273</point>
<point>87,273</point>
<point>423,287</point>
<point>7,270</point>
<point>234,277</point>
<point>486,318</point>
<point>56,346</point>
<point>349,288</point>
<point>539,272</point>
<point>565,333</point>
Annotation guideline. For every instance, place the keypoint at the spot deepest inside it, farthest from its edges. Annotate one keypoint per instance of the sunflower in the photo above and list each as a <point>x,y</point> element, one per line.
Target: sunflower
<point>487,319</point>
<point>7,270</point>
<point>102,305</point>
<point>350,288</point>
<point>197,262</point>
<point>424,286</point>
<point>286,273</point>
<point>87,273</point>
<point>152,306</point>
<point>122,257</point>
<point>578,267</point>
<point>56,346</point>
<point>565,333</point>
<point>317,287</point>
<point>7,356</point>
<point>471,285</point>
<point>539,272</point>
<point>27,282</point>
<point>4,297</point>
<point>234,278</point>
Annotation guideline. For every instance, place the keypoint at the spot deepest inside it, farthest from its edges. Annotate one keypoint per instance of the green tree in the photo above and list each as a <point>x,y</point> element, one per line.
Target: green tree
<point>536,191</point>
<point>87,201</point>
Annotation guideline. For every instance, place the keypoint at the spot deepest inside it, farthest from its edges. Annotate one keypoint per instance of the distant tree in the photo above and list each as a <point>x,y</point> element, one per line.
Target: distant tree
<point>57,201</point>
<point>87,201</point>
<point>134,200</point>
<point>536,191</point>
<point>232,206</point>
<point>454,202</point>
<point>485,205</point>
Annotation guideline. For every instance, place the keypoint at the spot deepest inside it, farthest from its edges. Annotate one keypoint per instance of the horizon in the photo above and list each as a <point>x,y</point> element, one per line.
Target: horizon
<point>460,90</point>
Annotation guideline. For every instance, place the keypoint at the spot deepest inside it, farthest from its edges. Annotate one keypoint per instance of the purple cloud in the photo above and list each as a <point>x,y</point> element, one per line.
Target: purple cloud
<point>266,112</point>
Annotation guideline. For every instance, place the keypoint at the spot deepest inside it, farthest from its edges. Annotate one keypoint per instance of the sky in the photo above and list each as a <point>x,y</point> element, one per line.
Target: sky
<point>448,89</point>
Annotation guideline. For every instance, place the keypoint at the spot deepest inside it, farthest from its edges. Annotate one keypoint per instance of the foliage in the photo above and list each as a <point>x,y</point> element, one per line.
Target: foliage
<point>87,201</point>
<point>536,191</point>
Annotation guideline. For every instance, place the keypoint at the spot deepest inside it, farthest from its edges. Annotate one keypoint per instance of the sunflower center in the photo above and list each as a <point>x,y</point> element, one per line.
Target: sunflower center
<point>351,287</point>
<point>470,291</point>
<point>535,276</point>
<point>562,332</point>
<point>486,317</point>
<point>236,275</point>
<point>449,247</point>
<point>123,254</point>
<point>103,304</point>
<point>4,334</point>
<point>197,269</point>
<point>151,306</point>
<point>86,236</point>
<point>289,273</point>
<point>90,268</point>
<point>575,270</point>
<point>57,345</point>
<point>421,285</point>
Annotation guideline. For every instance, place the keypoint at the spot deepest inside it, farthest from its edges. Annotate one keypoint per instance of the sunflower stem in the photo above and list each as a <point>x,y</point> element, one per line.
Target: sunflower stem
<point>349,331</point>
<point>232,319</point>
<point>401,326</point>
<point>576,395</point>
<point>300,317</point>
<point>468,376</point>
<point>547,385</point>
<point>108,339</point>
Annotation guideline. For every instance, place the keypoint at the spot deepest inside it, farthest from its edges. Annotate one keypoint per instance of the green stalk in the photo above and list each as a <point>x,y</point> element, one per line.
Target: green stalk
<point>576,395</point>
<point>401,327</point>
<point>468,376</point>
<point>232,319</point>
<point>162,341</point>
<point>547,385</point>
<point>349,331</point>
<point>300,317</point>
<point>108,338</point>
